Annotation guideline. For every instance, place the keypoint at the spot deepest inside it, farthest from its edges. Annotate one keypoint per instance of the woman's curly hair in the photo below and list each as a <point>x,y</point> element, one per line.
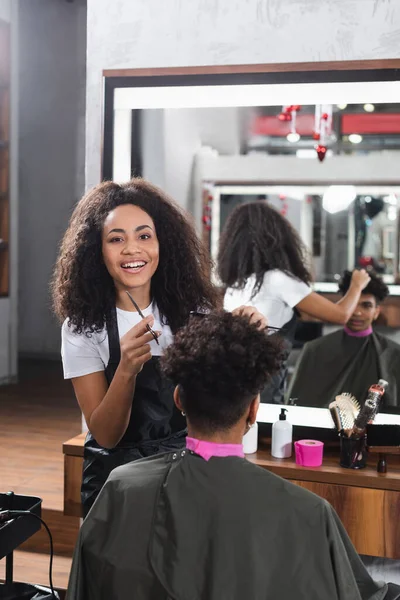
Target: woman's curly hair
<point>82,289</point>
<point>376,287</point>
<point>221,362</point>
<point>257,239</point>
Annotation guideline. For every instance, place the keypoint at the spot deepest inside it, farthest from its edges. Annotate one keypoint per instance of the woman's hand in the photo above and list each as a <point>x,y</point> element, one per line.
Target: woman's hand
<point>255,317</point>
<point>135,347</point>
<point>360,279</point>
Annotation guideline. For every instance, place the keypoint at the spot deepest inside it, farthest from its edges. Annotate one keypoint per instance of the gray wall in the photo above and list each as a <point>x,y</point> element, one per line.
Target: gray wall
<point>8,312</point>
<point>5,14</point>
<point>51,154</point>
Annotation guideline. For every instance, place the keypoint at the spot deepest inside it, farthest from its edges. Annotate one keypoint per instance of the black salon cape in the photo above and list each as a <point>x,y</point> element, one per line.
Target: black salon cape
<point>178,527</point>
<point>337,363</point>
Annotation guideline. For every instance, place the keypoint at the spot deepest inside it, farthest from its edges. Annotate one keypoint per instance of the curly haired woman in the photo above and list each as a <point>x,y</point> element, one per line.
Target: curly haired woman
<point>121,238</point>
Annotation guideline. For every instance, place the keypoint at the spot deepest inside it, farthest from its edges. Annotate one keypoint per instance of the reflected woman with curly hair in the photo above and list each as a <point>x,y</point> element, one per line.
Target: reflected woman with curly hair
<point>126,238</point>
<point>262,261</point>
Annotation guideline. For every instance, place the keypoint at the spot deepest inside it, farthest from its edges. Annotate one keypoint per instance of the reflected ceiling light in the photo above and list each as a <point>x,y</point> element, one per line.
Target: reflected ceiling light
<point>293,137</point>
<point>369,107</point>
<point>341,106</point>
<point>338,197</point>
<point>355,138</point>
<point>367,199</point>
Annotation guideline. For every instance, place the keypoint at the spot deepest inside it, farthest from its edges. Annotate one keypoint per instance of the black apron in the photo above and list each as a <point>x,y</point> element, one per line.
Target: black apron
<point>274,392</point>
<point>155,423</point>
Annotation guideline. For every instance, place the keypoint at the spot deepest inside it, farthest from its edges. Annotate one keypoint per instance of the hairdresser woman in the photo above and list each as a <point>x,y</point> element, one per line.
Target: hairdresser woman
<point>262,262</point>
<point>121,238</point>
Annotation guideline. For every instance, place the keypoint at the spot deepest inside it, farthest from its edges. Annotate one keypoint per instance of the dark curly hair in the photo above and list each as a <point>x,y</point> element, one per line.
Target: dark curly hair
<point>376,286</point>
<point>221,362</point>
<point>257,239</point>
<point>82,289</point>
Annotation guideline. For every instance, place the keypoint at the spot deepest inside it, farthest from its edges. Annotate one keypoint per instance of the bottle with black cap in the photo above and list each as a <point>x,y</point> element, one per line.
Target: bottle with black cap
<point>282,436</point>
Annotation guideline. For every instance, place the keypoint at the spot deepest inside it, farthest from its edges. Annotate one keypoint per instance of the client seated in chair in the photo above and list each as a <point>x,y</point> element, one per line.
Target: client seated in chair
<point>351,359</point>
<point>204,523</point>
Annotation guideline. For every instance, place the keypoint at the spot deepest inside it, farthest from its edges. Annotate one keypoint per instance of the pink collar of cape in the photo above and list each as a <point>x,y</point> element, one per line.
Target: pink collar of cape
<point>209,449</point>
<point>359,334</point>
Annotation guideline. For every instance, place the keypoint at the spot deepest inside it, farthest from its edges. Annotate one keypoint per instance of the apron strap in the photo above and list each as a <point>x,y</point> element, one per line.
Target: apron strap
<point>113,339</point>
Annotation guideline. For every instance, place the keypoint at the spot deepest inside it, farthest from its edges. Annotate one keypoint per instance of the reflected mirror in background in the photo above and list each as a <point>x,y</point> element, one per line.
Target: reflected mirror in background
<point>363,234</point>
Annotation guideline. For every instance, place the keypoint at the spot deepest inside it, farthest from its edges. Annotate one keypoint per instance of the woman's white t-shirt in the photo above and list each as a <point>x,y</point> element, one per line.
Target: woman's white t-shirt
<point>278,295</point>
<point>82,355</point>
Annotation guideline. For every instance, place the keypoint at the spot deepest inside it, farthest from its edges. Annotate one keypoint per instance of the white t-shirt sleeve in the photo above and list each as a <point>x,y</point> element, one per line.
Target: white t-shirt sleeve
<point>80,354</point>
<point>290,290</point>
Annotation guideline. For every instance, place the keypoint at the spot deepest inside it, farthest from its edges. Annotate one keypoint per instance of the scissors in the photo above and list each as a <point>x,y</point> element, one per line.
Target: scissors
<point>149,329</point>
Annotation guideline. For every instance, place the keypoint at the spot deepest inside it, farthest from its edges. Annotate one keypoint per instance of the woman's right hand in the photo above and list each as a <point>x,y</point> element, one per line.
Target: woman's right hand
<point>135,347</point>
<point>360,278</point>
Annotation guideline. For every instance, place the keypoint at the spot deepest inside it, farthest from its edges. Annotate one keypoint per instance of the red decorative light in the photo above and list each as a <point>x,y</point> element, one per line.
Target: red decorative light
<point>321,152</point>
<point>365,261</point>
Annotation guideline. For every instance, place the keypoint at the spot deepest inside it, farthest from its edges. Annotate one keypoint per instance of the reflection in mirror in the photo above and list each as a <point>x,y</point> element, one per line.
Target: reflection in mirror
<point>330,169</point>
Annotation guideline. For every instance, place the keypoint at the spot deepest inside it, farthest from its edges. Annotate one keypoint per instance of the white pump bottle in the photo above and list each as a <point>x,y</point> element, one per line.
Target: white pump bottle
<point>282,435</point>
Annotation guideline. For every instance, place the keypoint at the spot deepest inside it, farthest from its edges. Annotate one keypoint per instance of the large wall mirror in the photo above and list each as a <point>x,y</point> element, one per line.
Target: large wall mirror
<point>330,163</point>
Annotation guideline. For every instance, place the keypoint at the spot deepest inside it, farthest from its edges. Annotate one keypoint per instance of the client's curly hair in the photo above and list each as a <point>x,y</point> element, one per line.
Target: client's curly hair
<point>221,362</point>
<point>82,289</point>
<point>376,287</point>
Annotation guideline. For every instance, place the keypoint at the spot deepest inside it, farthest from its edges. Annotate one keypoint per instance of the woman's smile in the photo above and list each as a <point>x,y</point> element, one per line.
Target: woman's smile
<point>134,267</point>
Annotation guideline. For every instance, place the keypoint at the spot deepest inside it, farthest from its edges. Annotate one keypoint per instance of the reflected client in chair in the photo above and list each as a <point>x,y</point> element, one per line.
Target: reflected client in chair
<point>203,522</point>
<point>351,359</point>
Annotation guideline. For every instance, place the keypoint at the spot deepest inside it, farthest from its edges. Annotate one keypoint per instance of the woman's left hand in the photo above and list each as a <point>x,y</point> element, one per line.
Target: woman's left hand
<point>256,318</point>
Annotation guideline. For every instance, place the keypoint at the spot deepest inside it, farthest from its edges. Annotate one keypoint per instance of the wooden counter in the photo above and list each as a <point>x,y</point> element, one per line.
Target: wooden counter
<point>367,502</point>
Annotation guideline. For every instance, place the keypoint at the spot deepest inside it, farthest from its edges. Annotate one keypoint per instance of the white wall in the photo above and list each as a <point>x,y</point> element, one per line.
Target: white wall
<point>153,147</point>
<point>181,143</point>
<point>52,109</point>
<point>156,33</point>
